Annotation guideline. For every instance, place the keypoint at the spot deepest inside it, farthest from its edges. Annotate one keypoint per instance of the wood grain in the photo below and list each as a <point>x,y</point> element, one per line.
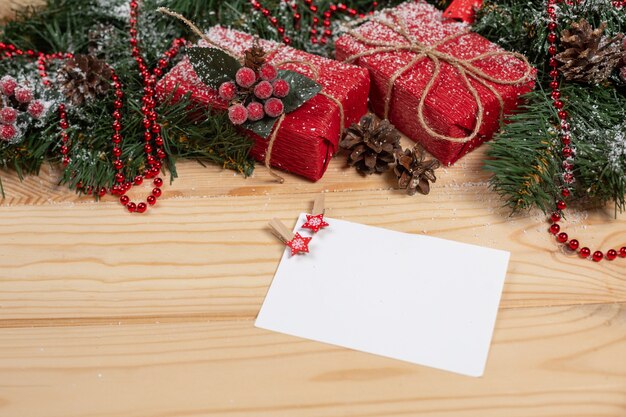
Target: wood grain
<point>559,361</point>
<point>216,256</point>
<point>104,314</point>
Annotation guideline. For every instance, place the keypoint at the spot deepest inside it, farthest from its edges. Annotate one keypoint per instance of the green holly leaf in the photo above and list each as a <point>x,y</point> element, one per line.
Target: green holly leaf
<point>262,127</point>
<point>213,66</point>
<point>302,89</point>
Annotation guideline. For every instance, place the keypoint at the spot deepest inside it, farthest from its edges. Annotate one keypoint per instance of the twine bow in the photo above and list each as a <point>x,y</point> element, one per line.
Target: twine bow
<point>465,68</point>
<point>274,52</point>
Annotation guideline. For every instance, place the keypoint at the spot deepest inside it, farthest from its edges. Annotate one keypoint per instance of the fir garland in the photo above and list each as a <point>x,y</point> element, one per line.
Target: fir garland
<point>524,154</point>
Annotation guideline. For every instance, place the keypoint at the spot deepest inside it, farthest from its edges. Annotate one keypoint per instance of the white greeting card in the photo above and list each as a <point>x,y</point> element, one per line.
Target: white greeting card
<point>416,298</point>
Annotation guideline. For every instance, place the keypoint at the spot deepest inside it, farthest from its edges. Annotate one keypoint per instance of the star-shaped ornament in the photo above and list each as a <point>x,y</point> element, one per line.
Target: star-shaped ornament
<point>299,244</point>
<point>315,222</point>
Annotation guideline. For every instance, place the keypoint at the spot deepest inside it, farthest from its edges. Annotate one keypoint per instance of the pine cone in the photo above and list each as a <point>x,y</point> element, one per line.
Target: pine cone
<point>84,78</point>
<point>414,173</point>
<point>373,145</point>
<point>588,56</point>
<point>254,57</point>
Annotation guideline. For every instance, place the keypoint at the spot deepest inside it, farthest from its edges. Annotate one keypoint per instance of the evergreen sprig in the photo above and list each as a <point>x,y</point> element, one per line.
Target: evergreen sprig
<point>526,161</point>
<point>525,157</point>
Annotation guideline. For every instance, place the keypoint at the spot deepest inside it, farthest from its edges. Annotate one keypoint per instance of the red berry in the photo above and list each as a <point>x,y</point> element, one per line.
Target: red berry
<point>573,244</point>
<point>245,77</point>
<point>263,90</point>
<point>622,252</point>
<point>8,132</point>
<point>8,115</point>
<point>611,254</point>
<point>23,94</point>
<point>255,111</point>
<point>141,208</point>
<point>274,107</point>
<point>555,228</point>
<point>562,237</point>
<point>228,91</point>
<point>8,85</point>
<point>585,252</point>
<point>281,88</point>
<point>238,114</point>
<point>268,72</point>
<point>36,109</point>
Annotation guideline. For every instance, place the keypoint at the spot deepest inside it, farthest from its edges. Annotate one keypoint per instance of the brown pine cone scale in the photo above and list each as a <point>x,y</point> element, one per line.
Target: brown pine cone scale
<point>372,145</point>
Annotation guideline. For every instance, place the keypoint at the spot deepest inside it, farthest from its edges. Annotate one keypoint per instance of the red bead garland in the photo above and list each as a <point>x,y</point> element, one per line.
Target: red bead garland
<point>567,151</point>
<point>153,146</point>
<point>316,35</point>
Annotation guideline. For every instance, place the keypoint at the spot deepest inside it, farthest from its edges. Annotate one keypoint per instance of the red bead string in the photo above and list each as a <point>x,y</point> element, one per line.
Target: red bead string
<point>567,151</point>
<point>316,35</point>
<point>153,146</point>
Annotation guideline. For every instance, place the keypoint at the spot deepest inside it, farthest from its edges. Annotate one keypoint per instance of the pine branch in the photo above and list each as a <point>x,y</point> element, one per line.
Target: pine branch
<point>526,159</point>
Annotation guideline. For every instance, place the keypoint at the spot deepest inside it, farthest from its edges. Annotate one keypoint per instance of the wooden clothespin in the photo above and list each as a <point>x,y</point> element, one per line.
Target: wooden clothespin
<point>315,221</point>
<point>297,244</point>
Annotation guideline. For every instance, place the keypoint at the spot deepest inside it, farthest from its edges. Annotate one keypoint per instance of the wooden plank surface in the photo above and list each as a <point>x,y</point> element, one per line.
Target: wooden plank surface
<point>107,314</point>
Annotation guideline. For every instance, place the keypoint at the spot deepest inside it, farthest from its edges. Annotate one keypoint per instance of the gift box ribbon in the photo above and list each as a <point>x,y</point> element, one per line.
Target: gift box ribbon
<point>273,53</point>
<point>465,67</point>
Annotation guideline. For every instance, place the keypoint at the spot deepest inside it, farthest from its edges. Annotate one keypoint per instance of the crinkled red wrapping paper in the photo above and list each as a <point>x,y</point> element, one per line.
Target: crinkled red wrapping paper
<point>309,136</point>
<point>450,108</point>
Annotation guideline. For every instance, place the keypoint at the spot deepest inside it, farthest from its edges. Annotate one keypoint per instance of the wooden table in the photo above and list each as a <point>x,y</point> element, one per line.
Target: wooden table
<point>105,314</point>
<point>109,314</point>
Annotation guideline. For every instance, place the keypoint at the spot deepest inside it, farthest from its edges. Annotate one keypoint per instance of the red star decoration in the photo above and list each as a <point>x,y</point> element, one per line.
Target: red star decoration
<point>299,244</point>
<point>315,223</point>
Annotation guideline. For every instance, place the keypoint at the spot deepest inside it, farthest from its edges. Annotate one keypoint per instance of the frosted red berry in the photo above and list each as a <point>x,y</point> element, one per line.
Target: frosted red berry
<point>8,115</point>
<point>8,132</point>
<point>228,91</point>
<point>281,88</point>
<point>238,114</point>
<point>36,109</point>
<point>255,111</point>
<point>263,90</point>
<point>245,77</point>
<point>268,72</point>
<point>274,107</point>
<point>23,94</point>
<point>8,85</point>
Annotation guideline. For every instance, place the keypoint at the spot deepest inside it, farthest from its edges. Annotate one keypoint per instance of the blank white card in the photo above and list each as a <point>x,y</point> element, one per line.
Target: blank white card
<point>414,298</point>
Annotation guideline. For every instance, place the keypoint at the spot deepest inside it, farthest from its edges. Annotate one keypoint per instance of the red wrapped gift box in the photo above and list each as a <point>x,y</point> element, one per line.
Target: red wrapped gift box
<point>309,136</point>
<point>438,83</point>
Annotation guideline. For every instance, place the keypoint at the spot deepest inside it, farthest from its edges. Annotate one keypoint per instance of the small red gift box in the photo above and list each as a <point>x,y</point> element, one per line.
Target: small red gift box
<point>309,136</point>
<point>438,83</point>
